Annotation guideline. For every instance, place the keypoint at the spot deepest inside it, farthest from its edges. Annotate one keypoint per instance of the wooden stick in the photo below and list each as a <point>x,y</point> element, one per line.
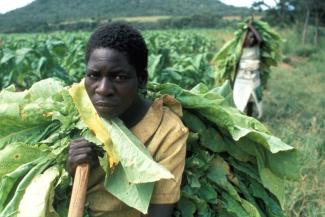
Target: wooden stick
<point>79,190</point>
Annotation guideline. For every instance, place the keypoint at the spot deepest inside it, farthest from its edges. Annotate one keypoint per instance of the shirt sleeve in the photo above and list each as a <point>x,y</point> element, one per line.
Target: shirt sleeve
<point>169,147</point>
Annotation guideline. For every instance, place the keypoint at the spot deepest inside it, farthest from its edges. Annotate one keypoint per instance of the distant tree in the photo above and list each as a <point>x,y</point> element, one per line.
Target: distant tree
<point>282,13</point>
<point>315,13</point>
<point>295,11</point>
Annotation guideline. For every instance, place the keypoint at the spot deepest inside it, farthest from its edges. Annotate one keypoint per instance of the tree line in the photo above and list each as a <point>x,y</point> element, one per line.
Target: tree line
<point>301,12</point>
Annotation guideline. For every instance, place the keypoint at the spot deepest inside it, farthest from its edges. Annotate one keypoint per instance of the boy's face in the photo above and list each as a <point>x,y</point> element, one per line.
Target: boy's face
<point>111,82</point>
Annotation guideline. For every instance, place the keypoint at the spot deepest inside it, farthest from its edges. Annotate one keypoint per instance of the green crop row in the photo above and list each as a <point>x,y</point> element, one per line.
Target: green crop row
<point>30,58</point>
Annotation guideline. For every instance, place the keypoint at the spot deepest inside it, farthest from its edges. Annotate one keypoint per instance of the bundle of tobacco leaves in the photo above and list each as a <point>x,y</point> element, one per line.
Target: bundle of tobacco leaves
<point>234,165</point>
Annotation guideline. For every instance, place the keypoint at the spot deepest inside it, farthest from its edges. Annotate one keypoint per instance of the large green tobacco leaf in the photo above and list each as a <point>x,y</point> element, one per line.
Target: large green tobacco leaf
<point>26,116</point>
<point>8,181</point>
<point>36,202</point>
<point>8,55</point>
<point>218,173</point>
<point>9,95</point>
<point>272,207</point>
<point>135,195</point>
<point>186,207</point>
<point>273,167</point>
<point>193,122</point>
<point>134,157</point>
<point>45,89</point>
<point>133,179</point>
<point>31,134</point>
<point>36,127</point>
<point>213,106</point>
<point>11,209</point>
<point>16,154</point>
<point>233,206</point>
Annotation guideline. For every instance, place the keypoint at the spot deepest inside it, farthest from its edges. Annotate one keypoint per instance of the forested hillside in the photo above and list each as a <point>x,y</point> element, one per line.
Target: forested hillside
<point>50,12</point>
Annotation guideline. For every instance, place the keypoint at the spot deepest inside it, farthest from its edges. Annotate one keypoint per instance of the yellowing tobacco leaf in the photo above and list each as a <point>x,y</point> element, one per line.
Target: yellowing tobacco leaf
<point>91,118</point>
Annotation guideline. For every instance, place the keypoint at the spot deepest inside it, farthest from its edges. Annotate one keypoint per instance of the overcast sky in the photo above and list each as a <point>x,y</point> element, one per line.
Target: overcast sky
<point>8,5</point>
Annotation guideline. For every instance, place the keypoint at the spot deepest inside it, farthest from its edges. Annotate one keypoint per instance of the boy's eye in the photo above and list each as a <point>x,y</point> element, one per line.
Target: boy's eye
<point>120,77</point>
<point>92,75</point>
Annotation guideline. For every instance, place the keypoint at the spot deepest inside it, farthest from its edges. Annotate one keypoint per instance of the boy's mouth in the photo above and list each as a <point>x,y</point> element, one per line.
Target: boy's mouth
<point>107,111</point>
<point>107,108</point>
<point>105,104</point>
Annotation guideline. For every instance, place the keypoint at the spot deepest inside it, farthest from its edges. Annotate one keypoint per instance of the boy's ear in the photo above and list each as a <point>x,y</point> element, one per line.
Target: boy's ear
<point>143,79</point>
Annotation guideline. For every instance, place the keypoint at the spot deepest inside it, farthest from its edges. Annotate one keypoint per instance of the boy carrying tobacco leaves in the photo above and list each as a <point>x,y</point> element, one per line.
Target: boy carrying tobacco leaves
<point>116,61</point>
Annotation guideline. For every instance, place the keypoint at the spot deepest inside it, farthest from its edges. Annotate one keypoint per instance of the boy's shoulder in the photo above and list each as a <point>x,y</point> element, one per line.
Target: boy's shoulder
<point>163,117</point>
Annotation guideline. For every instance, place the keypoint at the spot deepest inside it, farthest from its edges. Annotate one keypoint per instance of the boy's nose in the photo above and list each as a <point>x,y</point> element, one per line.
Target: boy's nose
<point>105,87</point>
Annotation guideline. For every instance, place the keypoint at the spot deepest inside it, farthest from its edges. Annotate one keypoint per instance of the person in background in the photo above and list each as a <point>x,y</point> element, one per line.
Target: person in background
<point>116,61</point>
<point>247,86</point>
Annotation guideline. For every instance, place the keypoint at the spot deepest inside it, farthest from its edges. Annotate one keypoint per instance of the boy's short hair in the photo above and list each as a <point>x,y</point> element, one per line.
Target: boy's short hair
<point>124,38</point>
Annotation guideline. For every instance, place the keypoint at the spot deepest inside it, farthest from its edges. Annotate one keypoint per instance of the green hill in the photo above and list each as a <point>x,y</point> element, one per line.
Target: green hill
<point>49,12</point>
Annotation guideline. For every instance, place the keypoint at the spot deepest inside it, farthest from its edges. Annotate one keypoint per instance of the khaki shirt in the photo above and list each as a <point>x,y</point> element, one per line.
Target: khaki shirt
<point>164,135</point>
